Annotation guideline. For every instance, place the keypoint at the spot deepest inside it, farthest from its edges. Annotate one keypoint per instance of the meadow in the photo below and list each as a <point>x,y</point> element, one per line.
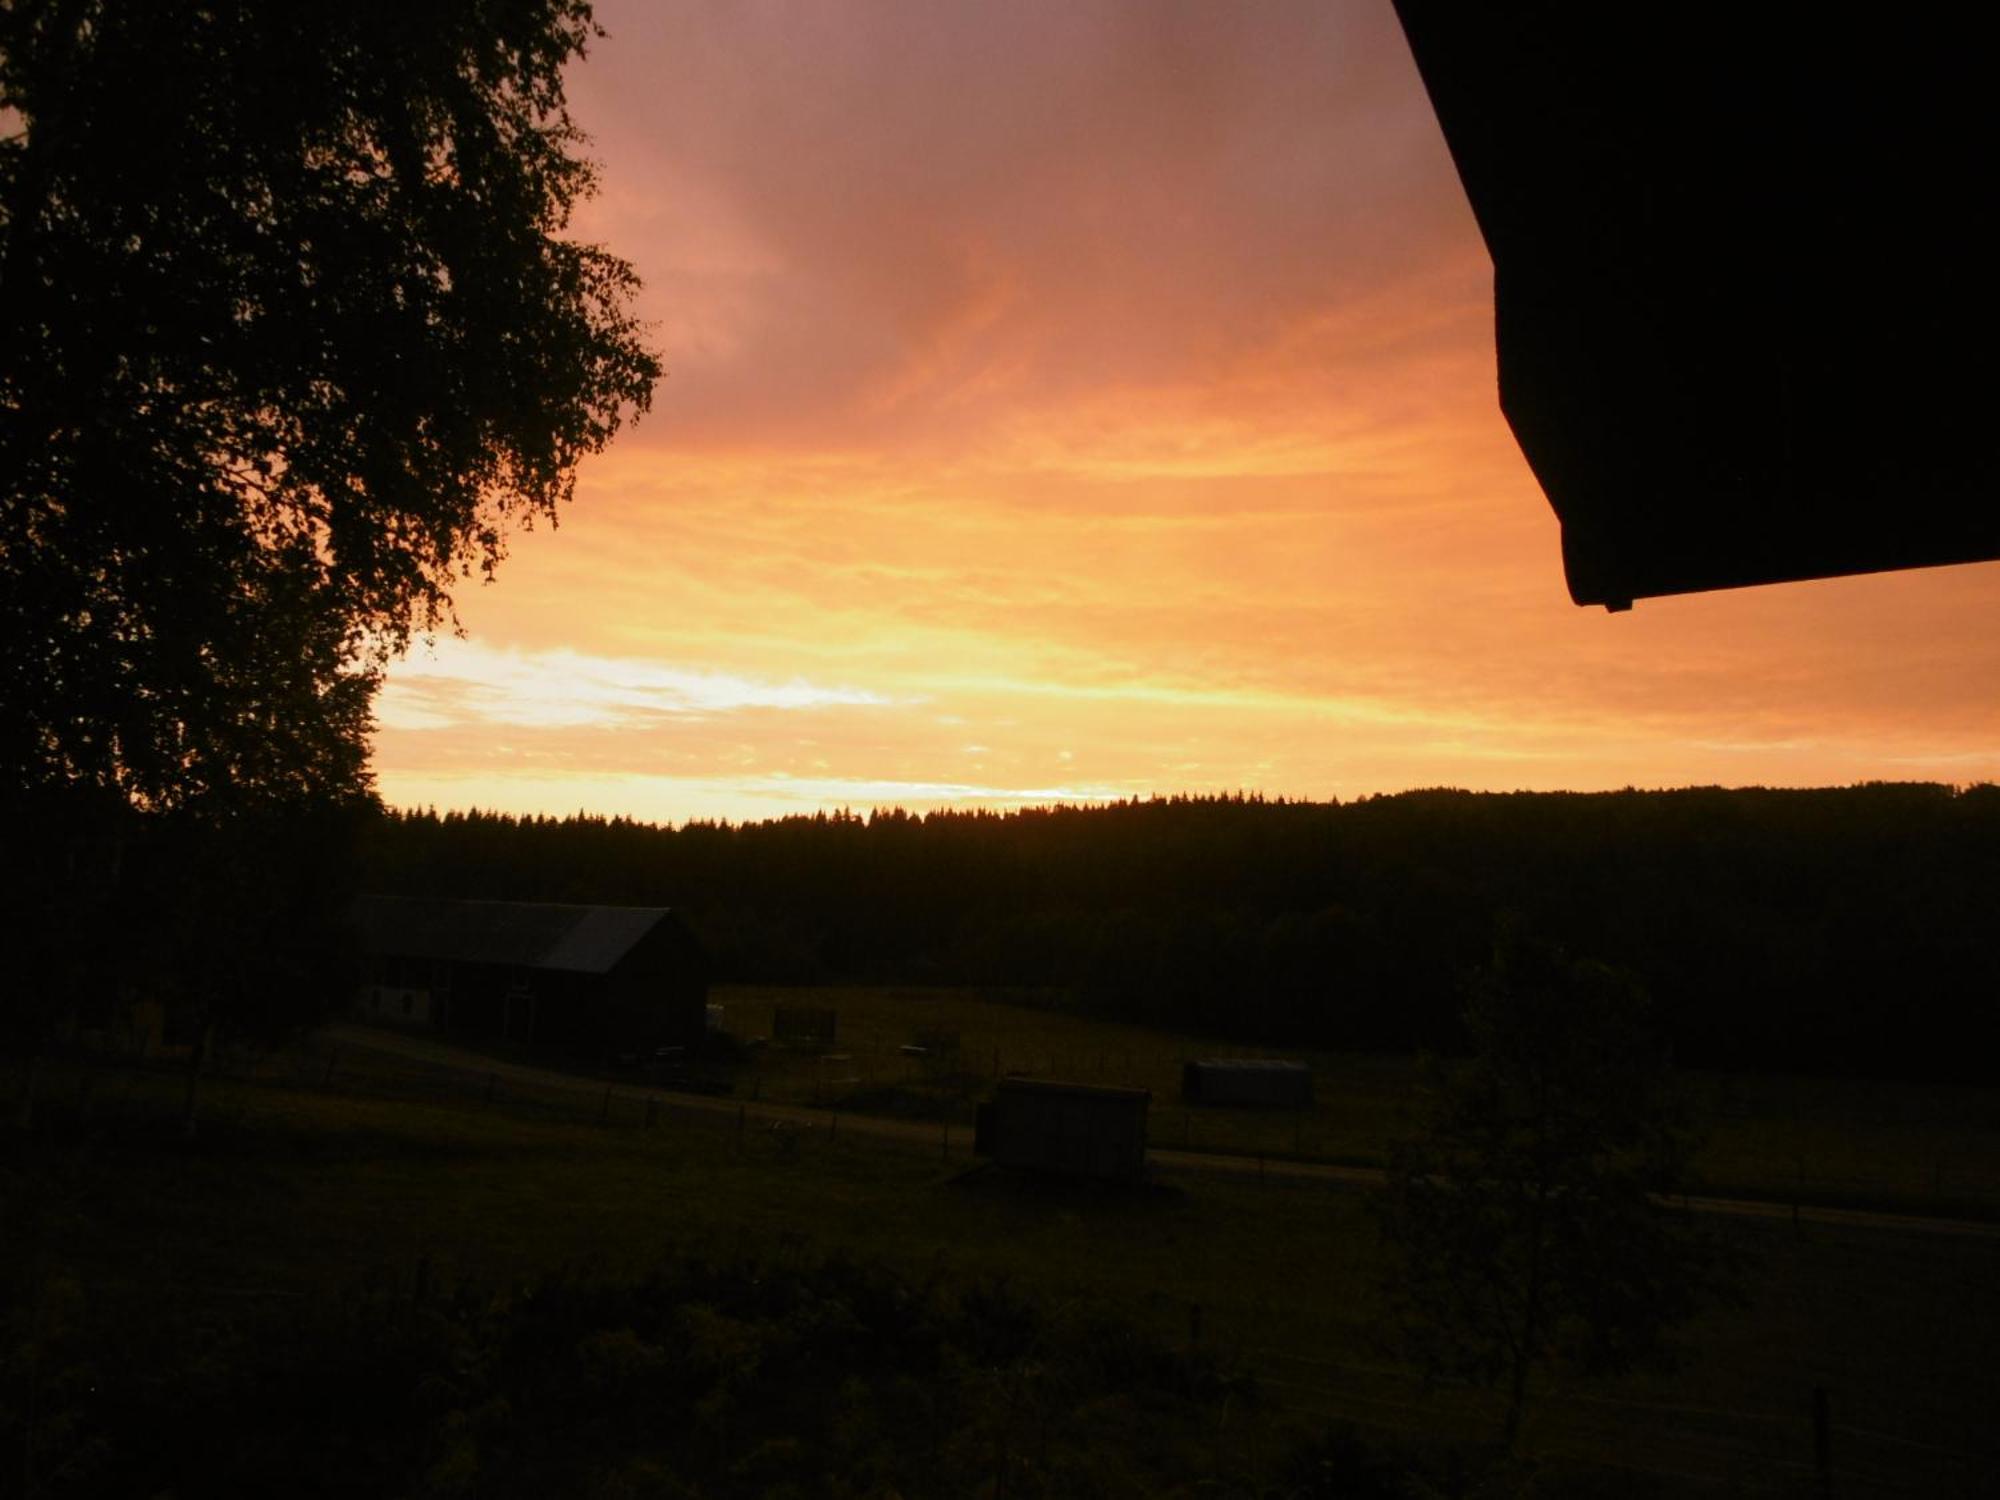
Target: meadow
<point>321,1177</point>
<point>1931,1148</point>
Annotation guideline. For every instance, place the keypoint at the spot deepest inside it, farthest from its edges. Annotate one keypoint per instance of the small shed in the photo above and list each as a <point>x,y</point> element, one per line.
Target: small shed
<point>1080,1129</point>
<point>1267,1082</point>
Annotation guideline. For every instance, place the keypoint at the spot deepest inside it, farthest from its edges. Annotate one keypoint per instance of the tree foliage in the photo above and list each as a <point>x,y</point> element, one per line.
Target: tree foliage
<point>699,1378</point>
<point>1838,930</point>
<point>290,334</point>
<point>1529,1220</point>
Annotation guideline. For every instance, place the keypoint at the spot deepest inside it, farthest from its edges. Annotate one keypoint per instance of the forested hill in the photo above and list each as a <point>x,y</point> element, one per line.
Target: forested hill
<point>1848,929</point>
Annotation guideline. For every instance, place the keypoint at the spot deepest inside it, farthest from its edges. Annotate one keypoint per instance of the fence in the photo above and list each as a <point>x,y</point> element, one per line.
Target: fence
<point>238,1087</point>
<point>913,1103</point>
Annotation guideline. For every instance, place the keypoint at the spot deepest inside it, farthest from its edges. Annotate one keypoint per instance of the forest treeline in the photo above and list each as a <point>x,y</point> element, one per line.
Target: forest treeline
<point>1836,930</point>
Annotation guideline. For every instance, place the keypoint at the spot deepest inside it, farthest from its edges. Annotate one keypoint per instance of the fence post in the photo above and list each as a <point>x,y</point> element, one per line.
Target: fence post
<point>1822,1442</point>
<point>652,1110</point>
<point>944,1147</point>
<point>492,1081</point>
<point>739,1124</point>
<point>332,1060</point>
<point>604,1111</point>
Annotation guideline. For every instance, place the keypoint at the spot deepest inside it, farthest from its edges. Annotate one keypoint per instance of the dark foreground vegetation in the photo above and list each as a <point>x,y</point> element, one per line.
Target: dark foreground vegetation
<point>355,1280</point>
<point>1839,931</point>
<point>744,1377</point>
<point>333,1294</point>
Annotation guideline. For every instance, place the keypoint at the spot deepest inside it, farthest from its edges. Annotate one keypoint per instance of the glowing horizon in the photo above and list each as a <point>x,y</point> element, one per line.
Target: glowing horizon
<point>1095,399</point>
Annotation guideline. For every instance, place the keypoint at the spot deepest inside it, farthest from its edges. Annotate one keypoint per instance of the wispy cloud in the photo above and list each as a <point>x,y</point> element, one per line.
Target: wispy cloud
<point>675,799</point>
<point>865,792</point>
<point>460,682</point>
<point>1081,400</point>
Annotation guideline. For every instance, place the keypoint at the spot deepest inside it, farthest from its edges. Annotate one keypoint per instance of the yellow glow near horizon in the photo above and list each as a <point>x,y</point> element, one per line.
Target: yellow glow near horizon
<point>1090,402</point>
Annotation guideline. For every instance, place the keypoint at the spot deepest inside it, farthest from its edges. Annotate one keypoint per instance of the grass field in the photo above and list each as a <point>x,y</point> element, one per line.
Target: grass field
<point>1902,1146</point>
<point>303,1187</point>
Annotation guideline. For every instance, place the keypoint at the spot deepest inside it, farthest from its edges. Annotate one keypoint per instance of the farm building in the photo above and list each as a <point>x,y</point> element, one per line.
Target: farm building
<point>1080,1129</point>
<point>1270,1082</point>
<point>579,978</point>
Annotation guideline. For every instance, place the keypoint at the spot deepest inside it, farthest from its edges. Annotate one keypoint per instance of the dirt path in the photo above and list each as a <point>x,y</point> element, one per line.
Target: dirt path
<point>1164,1159</point>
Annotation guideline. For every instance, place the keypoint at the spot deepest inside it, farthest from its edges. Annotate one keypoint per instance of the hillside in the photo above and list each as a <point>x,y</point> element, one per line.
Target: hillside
<point>1838,930</point>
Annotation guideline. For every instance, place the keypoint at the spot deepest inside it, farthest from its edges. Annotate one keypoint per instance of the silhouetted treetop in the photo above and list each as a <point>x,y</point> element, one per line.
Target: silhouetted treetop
<point>1844,928</point>
<point>291,334</point>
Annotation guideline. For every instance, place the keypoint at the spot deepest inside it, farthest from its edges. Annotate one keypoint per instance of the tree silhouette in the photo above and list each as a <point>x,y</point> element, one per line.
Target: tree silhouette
<point>1843,930</point>
<point>1528,1222</point>
<point>291,334</point>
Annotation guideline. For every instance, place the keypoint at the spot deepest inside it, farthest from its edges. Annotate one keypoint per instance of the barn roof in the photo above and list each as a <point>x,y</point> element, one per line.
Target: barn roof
<point>523,934</point>
<point>1251,1065</point>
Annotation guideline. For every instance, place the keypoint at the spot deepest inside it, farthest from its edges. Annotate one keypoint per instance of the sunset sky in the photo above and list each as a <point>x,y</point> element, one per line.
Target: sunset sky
<point>1073,401</point>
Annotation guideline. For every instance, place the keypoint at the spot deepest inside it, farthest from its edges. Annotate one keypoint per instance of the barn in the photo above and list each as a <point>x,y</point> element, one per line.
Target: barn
<point>1082,1130</point>
<point>567,978</point>
<point>1270,1082</point>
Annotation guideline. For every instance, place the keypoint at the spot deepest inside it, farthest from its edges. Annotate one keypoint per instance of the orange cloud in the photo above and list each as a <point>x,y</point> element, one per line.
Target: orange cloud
<point>1089,400</point>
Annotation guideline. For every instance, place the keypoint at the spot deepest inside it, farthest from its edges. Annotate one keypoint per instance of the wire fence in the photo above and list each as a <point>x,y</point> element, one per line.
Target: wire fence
<point>81,1089</point>
<point>260,1089</point>
<point>927,1103</point>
